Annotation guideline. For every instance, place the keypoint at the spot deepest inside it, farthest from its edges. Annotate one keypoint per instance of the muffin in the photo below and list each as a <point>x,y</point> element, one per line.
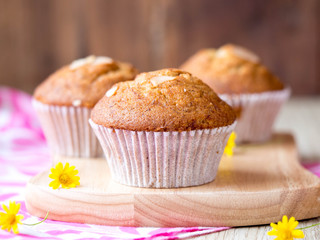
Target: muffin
<point>64,101</point>
<point>239,78</point>
<point>165,129</point>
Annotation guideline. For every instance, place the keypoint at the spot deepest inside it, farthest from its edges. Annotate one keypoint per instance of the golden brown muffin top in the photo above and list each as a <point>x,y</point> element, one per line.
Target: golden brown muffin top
<point>232,69</point>
<point>83,82</point>
<point>163,100</point>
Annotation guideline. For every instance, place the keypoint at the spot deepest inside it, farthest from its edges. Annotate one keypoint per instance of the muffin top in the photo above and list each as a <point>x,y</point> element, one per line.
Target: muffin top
<point>232,69</point>
<point>83,82</point>
<point>163,100</point>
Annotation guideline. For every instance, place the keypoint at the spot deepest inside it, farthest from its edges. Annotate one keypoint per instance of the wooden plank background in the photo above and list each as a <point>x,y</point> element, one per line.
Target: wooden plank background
<point>37,37</point>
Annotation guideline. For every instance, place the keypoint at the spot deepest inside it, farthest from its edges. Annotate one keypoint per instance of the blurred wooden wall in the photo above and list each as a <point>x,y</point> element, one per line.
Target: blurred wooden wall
<point>39,36</point>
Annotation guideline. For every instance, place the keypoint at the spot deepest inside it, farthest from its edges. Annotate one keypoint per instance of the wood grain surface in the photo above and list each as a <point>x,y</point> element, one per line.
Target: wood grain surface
<point>37,37</point>
<point>257,186</point>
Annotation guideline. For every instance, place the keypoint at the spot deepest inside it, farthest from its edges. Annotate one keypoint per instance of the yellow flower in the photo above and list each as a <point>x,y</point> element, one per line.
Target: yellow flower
<point>64,176</point>
<point>228,150</point>
<point>9,219</point>
<point>285,230</point>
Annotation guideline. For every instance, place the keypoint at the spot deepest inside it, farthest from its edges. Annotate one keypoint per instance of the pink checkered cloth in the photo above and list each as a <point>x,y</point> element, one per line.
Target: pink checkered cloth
<point>24,153</point>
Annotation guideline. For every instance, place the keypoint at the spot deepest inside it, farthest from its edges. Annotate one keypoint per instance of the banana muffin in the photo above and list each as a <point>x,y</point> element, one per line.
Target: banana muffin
<point>164,129</point>
<point>65,99</point>
<point>240,79</point>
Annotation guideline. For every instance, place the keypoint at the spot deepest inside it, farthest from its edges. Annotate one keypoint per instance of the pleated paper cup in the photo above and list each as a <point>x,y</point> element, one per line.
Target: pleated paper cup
<point>258,112</point>
<point>163,159</point>
<point>67,130</point>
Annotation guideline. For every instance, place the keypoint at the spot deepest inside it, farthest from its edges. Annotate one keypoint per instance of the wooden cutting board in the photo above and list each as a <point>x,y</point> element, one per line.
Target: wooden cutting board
<point>258,185</point>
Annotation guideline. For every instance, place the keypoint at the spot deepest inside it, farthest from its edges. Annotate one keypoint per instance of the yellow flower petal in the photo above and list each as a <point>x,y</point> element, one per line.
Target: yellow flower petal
<point>19,218</point>
<point>297,234</point>
<point>14,208</point>
<point>54,184</point>
<point>5,208</point>
<point>75,178</point>
<point>292,220</point>
<point>54,172</point>
<point>53,176</point>
<point>273,233</point>
<point>285,219</point>
<point>70,169</point>
<point>4,227</point>
<point>66,166</point>
<point>275,226</point>
<point>281,226</point>
<point>228,150</point>
<point>15,229</point>
<point>293,225</point>
<point>59,167</point>
<point>73,173</point>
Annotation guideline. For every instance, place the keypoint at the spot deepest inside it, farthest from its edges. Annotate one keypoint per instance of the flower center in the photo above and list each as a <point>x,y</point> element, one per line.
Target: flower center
<point>286,234</point>
<point>64,178</point>
<point>11,219</point>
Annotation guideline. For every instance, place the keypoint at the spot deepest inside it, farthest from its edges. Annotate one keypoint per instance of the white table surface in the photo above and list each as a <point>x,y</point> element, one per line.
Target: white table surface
<point>300,116</point>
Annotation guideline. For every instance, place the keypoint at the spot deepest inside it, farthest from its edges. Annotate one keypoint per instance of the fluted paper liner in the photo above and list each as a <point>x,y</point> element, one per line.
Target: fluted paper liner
<point>163,159</point>
<point>67,130</point>
<point>258,113</point>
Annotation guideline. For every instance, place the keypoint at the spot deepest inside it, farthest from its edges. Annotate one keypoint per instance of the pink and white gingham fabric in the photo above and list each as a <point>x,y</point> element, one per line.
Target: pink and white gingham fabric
<point>24,153</point>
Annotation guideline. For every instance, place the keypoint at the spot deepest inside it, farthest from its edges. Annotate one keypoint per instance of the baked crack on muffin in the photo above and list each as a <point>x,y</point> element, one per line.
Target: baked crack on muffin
<point>165,100</point>
<point>232,70</point>
<point>83,82</point>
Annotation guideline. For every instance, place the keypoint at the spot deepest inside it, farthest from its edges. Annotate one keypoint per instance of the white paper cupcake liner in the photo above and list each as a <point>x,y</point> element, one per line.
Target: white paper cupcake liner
<point>67,130</point>
<point>163,159</point>
<point>258,113</point>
